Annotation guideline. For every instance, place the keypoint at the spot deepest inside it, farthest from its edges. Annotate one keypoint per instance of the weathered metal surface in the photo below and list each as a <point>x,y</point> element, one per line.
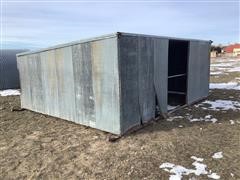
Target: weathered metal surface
<point>146,90</point>
<point>106,85</point>
<point>128,63</point>
<point>109,83</point>
<point>82,69</point>
<point>143,72</point>
<point>25,86</point>
<point>9,76</point>
<point>79,83</point>
<point>161,73</point>
<point>198,71</point>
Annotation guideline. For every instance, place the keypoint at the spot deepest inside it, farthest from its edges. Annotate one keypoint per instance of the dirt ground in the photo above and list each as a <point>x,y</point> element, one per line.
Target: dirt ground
<point>35,146</point>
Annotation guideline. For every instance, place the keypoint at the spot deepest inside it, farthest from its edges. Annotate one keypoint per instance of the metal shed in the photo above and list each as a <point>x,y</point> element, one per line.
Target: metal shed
<point>114,82</point>
<point>9,77</point>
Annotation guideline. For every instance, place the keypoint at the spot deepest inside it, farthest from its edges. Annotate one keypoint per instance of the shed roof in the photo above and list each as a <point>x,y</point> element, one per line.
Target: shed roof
<point>105,37</point>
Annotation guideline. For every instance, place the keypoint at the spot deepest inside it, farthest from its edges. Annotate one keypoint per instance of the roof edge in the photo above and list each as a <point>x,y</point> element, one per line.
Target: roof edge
<point>96,38</point>
<point>164,37</point>
<point>106,36</point>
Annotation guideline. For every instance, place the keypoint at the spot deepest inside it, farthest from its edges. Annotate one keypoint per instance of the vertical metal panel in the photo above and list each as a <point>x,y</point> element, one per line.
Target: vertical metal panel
<point>82,68</point>
<point>128,61</point>
<point>27,78</point>
<point>106,84</point>
<point>198,71</point>
<point>56,78</point>
<point>23,75</point>
<point>137,80</point>
<point>66,91</point>
<point>79,83</point>
<point>44,77</point>
<point>161,72</point>
<point>52,83</point>
<point>35,82</point>
<point>145,78</point>
<point>205,67</point>
<point>59,59</point>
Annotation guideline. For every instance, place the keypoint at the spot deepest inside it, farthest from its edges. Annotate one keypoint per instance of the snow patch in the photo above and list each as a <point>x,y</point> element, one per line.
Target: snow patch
<point>200,168</point>
<point>220,105</point>
<point>174,117</point>
<point>214,176</point>
<point>232,122</point>
<point>216,73</point>
<point>197,159</point>
<point>229,85</point>
<point>217,155</point>
<point>223,64</point>
<point>10,92</point>
<point>177,171</point>
<point>225,59</point>
<point>235,69</point>
<point>229,66</point>
<point>207,118</point>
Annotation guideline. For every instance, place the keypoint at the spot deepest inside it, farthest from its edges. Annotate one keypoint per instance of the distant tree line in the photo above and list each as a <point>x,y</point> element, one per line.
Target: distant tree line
<point>218,48</point>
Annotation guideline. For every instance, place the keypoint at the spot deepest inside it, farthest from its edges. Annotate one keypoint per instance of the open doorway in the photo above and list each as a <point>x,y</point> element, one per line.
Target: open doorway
<point>177,73</point>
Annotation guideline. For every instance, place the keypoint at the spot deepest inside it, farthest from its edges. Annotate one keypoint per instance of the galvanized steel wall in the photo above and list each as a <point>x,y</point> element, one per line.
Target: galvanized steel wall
<point>111,83</point>
<point>198,71</point>
<point>79,83</point>
<point>144,74</point>
<point>9,77</point>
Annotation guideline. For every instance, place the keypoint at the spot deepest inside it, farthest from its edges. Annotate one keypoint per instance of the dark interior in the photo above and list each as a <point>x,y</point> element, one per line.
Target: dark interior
<point>177,72</point>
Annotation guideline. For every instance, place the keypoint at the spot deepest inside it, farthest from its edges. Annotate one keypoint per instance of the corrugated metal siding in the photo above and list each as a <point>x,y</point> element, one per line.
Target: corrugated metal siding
<point>82,69</point>
<point>143,69</point>
<point>106,84</point>
<point>9,76</point>
<point>23,72</point>
<point>145,78</point>
<point>128,65</point>
<point>79,83</point>
<point>110,84</point>
<point>198,71</point>
<point>161,73</point>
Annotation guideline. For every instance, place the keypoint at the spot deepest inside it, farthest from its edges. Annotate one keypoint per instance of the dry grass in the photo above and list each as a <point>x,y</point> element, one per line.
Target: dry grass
<point>34,146</point>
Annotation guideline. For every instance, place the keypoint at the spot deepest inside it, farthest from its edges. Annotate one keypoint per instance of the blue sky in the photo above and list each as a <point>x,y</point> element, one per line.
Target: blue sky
<point>35,25</point>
